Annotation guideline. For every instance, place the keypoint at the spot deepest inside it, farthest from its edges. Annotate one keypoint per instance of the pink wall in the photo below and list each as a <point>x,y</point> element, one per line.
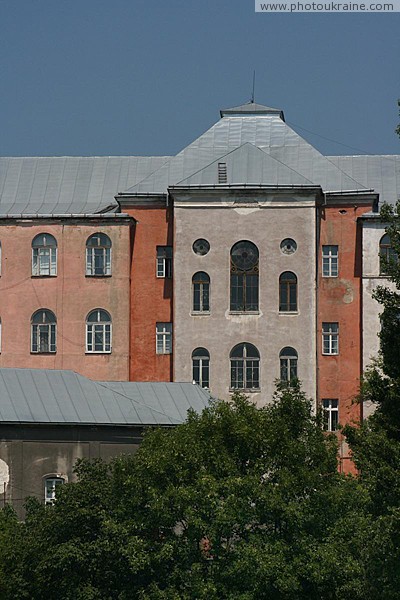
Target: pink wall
<point>70,295</point>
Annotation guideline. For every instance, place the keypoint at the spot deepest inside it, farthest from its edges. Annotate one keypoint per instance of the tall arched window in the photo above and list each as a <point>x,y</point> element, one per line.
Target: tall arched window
<point>201,292</point>
<point>43,332</point>
<point>44,255</point>
<point>201,367</point>
<point>288,359</point>
<point>288,292</point>
<point>244,277</point>
<point>245,367</point>
<point>98,255</point>
<point>98,332</point>
<point>387,254</point>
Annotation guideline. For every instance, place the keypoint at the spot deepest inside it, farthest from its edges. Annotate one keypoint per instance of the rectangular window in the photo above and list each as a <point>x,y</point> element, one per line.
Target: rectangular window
<point>50,485</point>
<point>164,338</point>
<point>331,414</point>
<point>330,338</point>
<point>330,261</point>
<point>164,262</point>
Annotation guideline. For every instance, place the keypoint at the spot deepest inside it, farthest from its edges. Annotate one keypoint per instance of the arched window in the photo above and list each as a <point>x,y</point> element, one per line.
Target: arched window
<point>387,254</point>
<point>44,255</point>
<point>98,255</point>
<point>288,359</point>
<point>43,332</point>
<point>244,277</point>
<point>201,367</point>
<point>201,292</point>
<point>50,485</point>
<point>98,332</point>
<point>287,292</point>
<point>245,367</point>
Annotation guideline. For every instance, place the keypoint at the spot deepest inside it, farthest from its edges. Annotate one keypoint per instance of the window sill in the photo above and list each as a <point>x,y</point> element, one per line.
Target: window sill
<point>330,276</point>
<point>163,353</point>
<point>244,312</point>
<point>330,354</point>
<point>43,276</point>
<point>288,312</point>
<point>245,390</point>
<point>98,352</point>
<point>43,353</point>
<point>199,313</point>
<point>97,276</point>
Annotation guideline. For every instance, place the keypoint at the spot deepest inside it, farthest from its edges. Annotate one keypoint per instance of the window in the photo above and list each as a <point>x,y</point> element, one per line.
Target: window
<point>0,258</point>
<point>201,247</point>
<point>288,359</point>
<point>244,277</point>
<point>201,367</point>
<point>98,332</point>
<point>288,246</point>
<point>50,485</point>
<point>164,338</point>
<point>330,338</point>
<point>43,332</point>
<point>44,255</point>
<point>330,261</point>
<point>287,292</point>
<point>387,254</point>
<point>245,367</point>
<point>331,414</point>
<point>201,292</point>
<point>98,255</point>
<point>164,261</point>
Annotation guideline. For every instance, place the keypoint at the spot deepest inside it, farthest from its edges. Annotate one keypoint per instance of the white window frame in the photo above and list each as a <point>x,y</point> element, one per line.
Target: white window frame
<point>330,339</point>
<point>49,329</point>
<point>105,254</point>
<point>94,328</point>
<point>40,266</point>
<point>330,406</point>
<point>163,338</point>
<point>330,260</point>
<point>202,364</point>
<point>50,490</point>
<point>164,262</point>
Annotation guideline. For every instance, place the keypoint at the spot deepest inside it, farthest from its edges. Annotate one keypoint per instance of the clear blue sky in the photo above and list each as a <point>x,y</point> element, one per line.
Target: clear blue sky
<point>126,77</point>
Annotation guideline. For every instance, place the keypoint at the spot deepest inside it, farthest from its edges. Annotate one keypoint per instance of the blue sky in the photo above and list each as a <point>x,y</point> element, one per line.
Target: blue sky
<point>95,77</point>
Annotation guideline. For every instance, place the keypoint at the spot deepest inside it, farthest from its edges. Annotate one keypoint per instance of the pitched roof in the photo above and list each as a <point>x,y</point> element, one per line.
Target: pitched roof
<point>270,134</point>
<point>251,108</point>
<point>64,397</point>
<point>68,184</point>
<point>248,165</point>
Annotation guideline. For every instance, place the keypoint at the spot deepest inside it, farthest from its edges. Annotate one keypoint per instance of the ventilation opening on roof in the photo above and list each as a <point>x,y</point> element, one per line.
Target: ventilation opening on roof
<point>222,175</point>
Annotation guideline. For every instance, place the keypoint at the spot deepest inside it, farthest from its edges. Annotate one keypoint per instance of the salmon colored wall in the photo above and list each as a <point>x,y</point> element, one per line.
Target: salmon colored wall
<point>151,297</point>
<point>339,300</point>
<point>70,295</point>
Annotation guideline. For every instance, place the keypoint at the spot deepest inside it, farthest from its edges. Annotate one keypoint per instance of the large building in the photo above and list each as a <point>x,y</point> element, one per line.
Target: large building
<point>247,258</point>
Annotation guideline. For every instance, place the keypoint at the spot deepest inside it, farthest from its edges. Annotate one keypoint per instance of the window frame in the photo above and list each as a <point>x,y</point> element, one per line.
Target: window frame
<point>98,327</point>
<point>251,362</point>
<point>328,259</point>
<point>49,499</point>
<point>244,288</point>
<point>202,288</point>
<point>287,356</point>
<point>286,287</point>
<point>165,335</point>
<point>387,254</point>
<point>105,254</point>
<point>330,423</point>
<point>203,367</point>
<point>164,262</point>
<point>330,336</point>
<point>40,251</point>
<point>47,329</point>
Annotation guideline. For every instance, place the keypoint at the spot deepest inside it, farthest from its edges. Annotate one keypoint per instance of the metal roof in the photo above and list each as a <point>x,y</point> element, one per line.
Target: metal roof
<point>248,165</point>
<point>267,132</point>
<point>252,108</point>
<point>45,396</point>
<point>69,184</point>
<point>382,173</point>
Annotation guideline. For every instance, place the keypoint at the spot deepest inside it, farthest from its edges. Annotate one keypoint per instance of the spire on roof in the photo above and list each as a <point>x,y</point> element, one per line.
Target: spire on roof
<point>251,108</point>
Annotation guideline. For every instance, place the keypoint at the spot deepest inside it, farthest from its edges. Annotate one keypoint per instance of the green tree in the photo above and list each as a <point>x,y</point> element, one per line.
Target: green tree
<point>237,503</point>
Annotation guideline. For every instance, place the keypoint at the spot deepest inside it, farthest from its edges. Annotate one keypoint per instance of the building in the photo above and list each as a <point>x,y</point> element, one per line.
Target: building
<point>50,418</point>
<point>246,258</point>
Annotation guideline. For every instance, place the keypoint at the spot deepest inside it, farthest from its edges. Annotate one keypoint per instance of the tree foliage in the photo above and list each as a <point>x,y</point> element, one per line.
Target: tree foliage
<point>237,503</point>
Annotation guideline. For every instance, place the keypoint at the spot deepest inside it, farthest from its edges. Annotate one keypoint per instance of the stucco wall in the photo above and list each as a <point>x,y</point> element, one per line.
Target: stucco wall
<point>266,225</point>
<point>70,295</point>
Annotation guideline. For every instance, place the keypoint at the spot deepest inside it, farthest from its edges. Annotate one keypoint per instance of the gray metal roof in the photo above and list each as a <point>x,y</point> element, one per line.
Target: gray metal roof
<point>64,397</point>
<point>268,132</point>
<point>248,165</point>
<point>251,108</point>
<point>382,173</point>
<point>69,184</point>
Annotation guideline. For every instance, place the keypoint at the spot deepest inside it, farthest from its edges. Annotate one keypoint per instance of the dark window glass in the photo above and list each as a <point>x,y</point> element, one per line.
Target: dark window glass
<point>244,277</point>
<point>201,367</point>
<point>201,292</point>
<point>288,292</point>
<point>245,367</point>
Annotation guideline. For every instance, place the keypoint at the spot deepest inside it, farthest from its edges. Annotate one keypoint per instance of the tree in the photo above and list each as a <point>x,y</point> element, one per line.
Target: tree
<point>237,503</point>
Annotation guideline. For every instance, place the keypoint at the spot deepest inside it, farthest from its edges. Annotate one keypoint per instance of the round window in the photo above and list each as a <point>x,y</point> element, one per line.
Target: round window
<point>288,246</point>
<point>201,247</point>
<point>244,255</point>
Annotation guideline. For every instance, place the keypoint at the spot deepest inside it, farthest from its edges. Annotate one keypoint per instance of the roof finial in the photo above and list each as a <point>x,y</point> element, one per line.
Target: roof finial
<point>254,85</point>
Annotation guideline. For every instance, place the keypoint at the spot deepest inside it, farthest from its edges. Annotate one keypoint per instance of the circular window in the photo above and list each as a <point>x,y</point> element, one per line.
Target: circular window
<point>244,255</point>
<point>288,246</point>
<point>201,247</point>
